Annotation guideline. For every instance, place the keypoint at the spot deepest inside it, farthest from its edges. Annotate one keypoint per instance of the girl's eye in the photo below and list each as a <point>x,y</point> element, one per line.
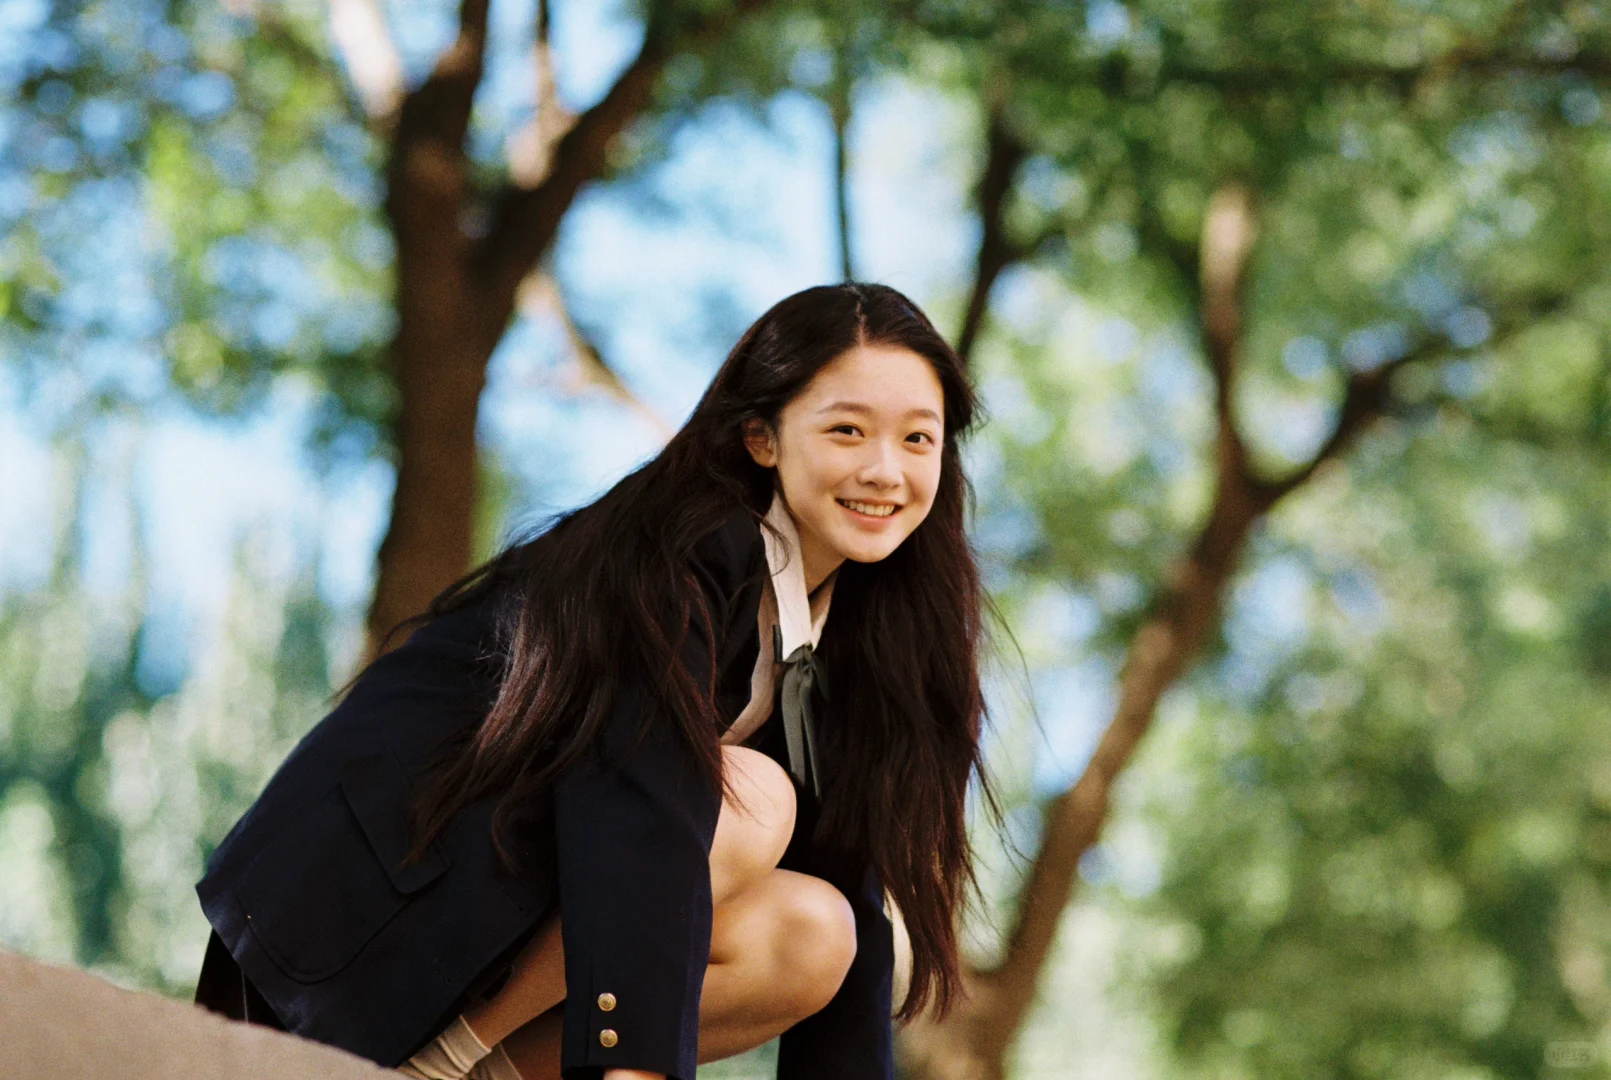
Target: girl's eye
<point>847,428</point>
<point>921,435</point>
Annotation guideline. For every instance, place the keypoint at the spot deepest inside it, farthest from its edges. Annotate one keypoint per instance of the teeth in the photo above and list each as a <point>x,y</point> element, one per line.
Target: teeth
<point>868,508</point>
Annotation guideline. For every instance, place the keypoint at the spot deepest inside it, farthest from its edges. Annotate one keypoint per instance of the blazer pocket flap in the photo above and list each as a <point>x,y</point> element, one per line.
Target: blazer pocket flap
<point>378,792</point>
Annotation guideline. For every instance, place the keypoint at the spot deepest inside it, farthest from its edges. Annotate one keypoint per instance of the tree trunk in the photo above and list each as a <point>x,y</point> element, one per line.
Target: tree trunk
<point>460,266</point>
<point>1003,155</point>
<point>973,1043</point>
<point>440,361</point>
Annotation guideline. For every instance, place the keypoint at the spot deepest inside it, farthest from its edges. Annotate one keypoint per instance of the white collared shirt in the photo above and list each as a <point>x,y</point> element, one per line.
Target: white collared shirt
<point>785,604</point>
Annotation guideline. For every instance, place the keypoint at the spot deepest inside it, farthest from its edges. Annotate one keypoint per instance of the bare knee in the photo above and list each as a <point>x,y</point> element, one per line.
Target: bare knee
<point>816,939</point>
<point>756,822</point>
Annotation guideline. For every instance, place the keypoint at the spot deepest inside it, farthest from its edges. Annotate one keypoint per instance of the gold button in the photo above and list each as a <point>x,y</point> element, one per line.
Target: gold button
<point>606,1002</point>
<point>607,1038</point>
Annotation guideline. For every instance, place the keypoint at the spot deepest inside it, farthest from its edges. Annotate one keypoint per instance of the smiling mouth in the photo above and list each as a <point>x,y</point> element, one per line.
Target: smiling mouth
<point>877,510</point>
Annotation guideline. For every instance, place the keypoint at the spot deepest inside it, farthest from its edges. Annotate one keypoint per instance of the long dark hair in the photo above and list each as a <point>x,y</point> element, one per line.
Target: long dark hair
<point>608,590</point>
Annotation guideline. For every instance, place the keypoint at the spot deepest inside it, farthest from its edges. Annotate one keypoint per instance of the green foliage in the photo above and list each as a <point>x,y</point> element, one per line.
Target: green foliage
<point>1381,800</point>
<point>1394,855</point>
<point>235,141</point>
<point>118,774</point>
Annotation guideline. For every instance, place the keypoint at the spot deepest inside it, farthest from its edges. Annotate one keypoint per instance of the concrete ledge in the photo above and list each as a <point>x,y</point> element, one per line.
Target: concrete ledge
<point>61,1024</point>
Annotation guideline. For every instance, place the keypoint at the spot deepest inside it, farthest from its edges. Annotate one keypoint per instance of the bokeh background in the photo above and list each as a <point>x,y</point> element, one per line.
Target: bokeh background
<point>1294,493</point>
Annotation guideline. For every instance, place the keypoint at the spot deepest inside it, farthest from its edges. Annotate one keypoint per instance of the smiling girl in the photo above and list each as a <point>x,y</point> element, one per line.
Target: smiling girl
<point>645,790</point>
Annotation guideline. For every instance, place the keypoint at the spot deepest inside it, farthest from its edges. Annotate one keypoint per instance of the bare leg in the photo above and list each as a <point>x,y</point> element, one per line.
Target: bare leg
<point>535,1048</point>
<point>536,983</point>
<point>752,832</point>
<point>778,953</point>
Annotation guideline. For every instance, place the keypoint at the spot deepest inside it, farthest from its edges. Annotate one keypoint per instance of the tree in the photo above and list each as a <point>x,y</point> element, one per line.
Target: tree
<point>238,181</point>
<point>463,257</point>
<point>1395,857</point>
<point>1265,183</point>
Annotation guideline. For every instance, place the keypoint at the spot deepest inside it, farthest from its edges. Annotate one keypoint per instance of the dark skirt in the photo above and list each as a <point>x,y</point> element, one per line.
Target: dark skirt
<point>223,988</point>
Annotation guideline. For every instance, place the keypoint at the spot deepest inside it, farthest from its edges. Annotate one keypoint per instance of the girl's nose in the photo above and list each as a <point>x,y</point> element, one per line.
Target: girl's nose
<point>880,468</point>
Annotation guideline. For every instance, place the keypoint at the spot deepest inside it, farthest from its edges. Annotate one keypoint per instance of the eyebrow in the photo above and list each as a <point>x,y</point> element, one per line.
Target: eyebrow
<point>857,407</point>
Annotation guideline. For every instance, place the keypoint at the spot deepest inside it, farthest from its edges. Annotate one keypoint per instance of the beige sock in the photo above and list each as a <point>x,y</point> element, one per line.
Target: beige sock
<point>495,1066</point>
<point>450,1056</point>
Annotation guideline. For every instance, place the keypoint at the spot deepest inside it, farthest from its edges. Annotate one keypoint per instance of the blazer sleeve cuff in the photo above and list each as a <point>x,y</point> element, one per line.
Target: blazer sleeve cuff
<point>633,836</point>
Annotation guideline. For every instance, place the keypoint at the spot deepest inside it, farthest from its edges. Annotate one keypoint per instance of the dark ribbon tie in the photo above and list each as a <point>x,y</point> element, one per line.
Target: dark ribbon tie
<point>803,672</point>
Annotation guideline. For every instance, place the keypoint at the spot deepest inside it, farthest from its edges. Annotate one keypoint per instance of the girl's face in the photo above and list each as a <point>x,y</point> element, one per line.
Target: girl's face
<point>857,453</point>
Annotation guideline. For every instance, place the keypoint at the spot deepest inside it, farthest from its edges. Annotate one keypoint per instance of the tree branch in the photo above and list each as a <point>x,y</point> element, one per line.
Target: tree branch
<point>1363,402</point>
<point>1187,609</point>
<point>837,96</point>
<point>1168,642</point>
<point>1003,156</point>
<point>540,294</point>
<point>839,112</point>
<point>1367,398</point>
<point>440,107</point>
<point>361,36</point>
<point>427,175</point>
<point>1229,232</point>
<point>531,149</point>
<point>975,1042</point>
<point>1182,256</point>
<point>524,221</point>
<point>1118,71</point>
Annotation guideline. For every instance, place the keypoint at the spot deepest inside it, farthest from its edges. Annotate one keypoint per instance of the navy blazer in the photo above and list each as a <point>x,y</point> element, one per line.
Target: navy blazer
<point>348,947</point>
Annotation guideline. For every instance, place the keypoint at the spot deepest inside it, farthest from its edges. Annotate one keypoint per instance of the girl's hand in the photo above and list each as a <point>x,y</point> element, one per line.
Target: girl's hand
<point>632,1074</point>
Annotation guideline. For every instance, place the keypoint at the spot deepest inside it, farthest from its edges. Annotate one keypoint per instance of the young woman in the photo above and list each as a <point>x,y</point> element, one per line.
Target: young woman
<point>635,793</point>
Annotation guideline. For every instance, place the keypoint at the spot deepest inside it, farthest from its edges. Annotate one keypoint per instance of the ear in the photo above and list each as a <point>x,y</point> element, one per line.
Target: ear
<point>761,443</point>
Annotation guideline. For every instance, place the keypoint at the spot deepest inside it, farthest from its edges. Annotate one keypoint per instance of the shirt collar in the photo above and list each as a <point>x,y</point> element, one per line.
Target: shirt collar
<point>800,616</point>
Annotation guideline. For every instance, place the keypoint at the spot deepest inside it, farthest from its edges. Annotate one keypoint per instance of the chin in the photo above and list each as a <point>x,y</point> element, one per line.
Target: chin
<point>869,553</point>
